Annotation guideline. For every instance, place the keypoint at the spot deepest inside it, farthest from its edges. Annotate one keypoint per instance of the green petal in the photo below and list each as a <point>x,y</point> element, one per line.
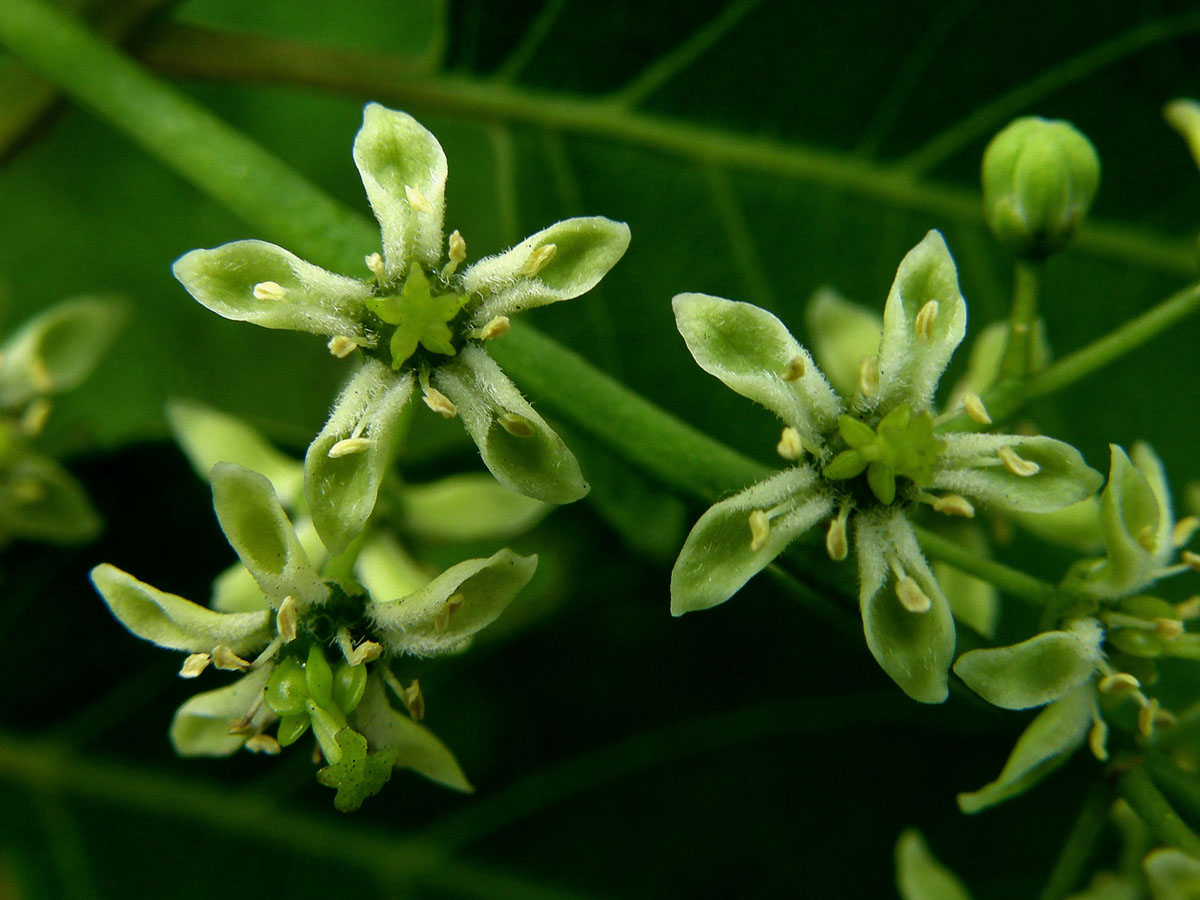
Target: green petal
<point>1036,671</point>
<point>42,501</point>
<point>974,602</point>
<point>1057,732</point>
<point>235,589</point>
<point>444,615</point>
<point>209,436</point>
<point>173,622</point>
<point>341,490</point>
<point>751,351</point>
<point>386,570</point>
<point>1076,527</point>
<point>910,366</point>
<point>224,279</point>
<point>201,724</point>
<point>262,535</point>
<point>969,464</point>
<point>843,334</point>
<point>415,746</point>
<point>585,249</point>
<point>717,559</point>
<point>468,507</point>
<point>537,463</point>
<point>919,875</point>
<point>915,649</point>
<point>393,151</point>
<point>58,348</point>
<point>1172,874</point>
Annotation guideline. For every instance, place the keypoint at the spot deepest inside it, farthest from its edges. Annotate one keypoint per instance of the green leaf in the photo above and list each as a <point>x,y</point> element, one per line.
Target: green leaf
<point>253,281</point>
<point>445,614</point>
<point>42,501</point>
<point>584,250</point>
<point>1057,732</point>
<point>173,622</point>
<point>467,507</point>
<point>920,876</point>
<point>341,489</point>
<point>717,558</point>
<point>1034,672</point>
<point>201,724</point>
<point>516,444</point>
<point>1172,874</point>
<point>398,157</point>
<point>751,351</point>
<point>843,334</point>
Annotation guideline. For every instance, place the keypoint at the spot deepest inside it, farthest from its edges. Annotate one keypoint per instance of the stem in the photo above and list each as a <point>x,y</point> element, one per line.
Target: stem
<point>1153,809</point>
<point>1184,787</point>
<point>1069,866</point>
<point>1018,351</point>
<point>1012,581</point>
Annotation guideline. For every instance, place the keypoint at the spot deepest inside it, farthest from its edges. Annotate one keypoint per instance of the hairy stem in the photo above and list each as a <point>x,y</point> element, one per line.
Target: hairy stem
<point>1153,809</point>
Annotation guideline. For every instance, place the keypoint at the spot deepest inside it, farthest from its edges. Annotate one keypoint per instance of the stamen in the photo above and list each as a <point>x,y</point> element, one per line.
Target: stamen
<point>1190,559</point>
<point>285,619</point>
<point>795,369</point>
<point>438,402</point>
<point>975,409</point>
<point>1184,529</point>
<point>224,658</point>
<point>365,652</point>
<point>539,259</point>
<point>375,263</point>
<point>348,447</point>
<point>836,544</point>
<point>1168,629</point>
<point>240,726</point>
<point>33,420</point>
<point>760,529</point>
<point>1189,609</point>
<point>517,426</point>
<point>868,376</point>
<point>1022,468</point>
<point>442,620</point>
<point>413,700</point>
<point>456,252</point>
<point>1098,739</point>
<point>790,446</point>
<point>1146,717</point>
<point>496,328</point>
<point>911,596</point>
<point>417,200</point>
<point>923,324</point>
<point>39,375</point>
<point>954,505</point>
<point>1148,539</point>
<point>263,743</point>
<point>194,665</point>
<point>1118,684</point>
<point>270,291</point>
<point>342,346</point>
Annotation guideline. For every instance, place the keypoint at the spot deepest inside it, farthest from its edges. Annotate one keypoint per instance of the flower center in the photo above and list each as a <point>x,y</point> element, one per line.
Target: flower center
<point>902,445</point>
<point>420,317</point>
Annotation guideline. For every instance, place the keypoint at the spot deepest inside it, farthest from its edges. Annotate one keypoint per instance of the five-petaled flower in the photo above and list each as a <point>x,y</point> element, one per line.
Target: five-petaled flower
<point>873,455</point>
<point>420,319</point>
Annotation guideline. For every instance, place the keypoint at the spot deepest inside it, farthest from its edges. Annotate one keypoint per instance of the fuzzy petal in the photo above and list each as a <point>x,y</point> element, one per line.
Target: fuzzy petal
<point>396,155</point>
<point>444,615</point>
<point>717,559</point>
<point>751,351</point>
<point>173,622</point>
<point>385,568</point>
<point>911,365</point>
<point>467,507</point>
<point>919,875</point>
<point>201,724</point>
<point>585,249</point>
<point>537,463</point>
<point>843,334</point>
<point>224,279</point>
<point>42,501</point>
<point>341,490</point>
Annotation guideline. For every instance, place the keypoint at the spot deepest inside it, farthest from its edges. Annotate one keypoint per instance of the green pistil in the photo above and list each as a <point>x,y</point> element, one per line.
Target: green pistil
<point>420,317</point>
<point>902,445</point>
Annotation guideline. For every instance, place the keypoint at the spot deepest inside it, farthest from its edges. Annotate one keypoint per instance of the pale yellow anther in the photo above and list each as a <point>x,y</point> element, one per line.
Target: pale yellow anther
<point>194,665</point>
<point>1184,529</point>
<point>224,658</point>
<point>374,263</point>
<point>456,252</point>
<point>438,402</point>
<point>365,652</point>
<point>442,620</point>
<point>760,529</point>
<point>517,426</point>
<point>342,346</point>
<point>795,369</point>
<point>1190,559</point>
<point>1098,740</point>
<point>1168,629</point>
<point>348,447</point>
<point>270,291</point>
<point>413,700</point>
<point>911,596</point>
<point>868,376</point>
<point>496,328</point>
<point>975,409</point>
<point>923,325</point>
<point>1147,537</point>
<point>539,259</point>
<point>1118,684</point>
<point>33,420</point>
<point>417,200</point>
<point>1023,468</point>
<point>790,446</point>
<point>39,375</point>
<point>1189,609</point>
<point>263,743</point>
<point>954,505</point>
<point>836,543</point>
<point>285,619</point>
<point>240,726</point>
<point>1146,717</point>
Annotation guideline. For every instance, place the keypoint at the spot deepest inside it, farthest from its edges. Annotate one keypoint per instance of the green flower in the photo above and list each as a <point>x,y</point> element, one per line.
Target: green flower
<point>419,321</point>
<point>313,656</point>
<point>872,455</point>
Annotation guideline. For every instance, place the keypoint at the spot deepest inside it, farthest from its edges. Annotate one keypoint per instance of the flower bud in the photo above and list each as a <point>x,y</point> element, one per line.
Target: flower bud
<point>1039,179</point>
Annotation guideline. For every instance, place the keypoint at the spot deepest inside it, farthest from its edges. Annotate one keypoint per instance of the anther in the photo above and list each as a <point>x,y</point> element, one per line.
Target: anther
<point>1118,684</point>
<point>836,544</point>
<point>413,700</point>
<point>194,665</point>
<point>760,529</point>
<point>1190,559</point>
<point>39,375</point>
<point>1098,739</point>
<point>496,328</point>
<point>417,200</point>
<point>438,402</point>
<point>539,259</point>
<point>285,619</point>
<point>365,652</point>
<point>911,596</point>
<point>868,376</point>
<point>923,325</point>
<point>1146,716</point>
<point>1184,529</point>
<point>442,620</point>
<point>517,426</point>
<point>33,420</point>
<point>975,409</point>
<point>270,290</point>
<point>790,446</point>
<point>224,658</point>
<point>1023,468</point>
<point>1168,629</point>
<point>348,447</point>
<point>795,369</point>
<point>1147,537</point>
<point>1189,609</point>
<point>342,346</point>
<point>375,263</point>
<point>263,743</point>
<point>456,252</point>
<point>954,505</point>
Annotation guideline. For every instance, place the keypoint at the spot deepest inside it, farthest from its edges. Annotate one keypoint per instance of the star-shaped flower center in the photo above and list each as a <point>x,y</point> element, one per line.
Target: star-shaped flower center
<point>901,445</point>
<point>421,317</point>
